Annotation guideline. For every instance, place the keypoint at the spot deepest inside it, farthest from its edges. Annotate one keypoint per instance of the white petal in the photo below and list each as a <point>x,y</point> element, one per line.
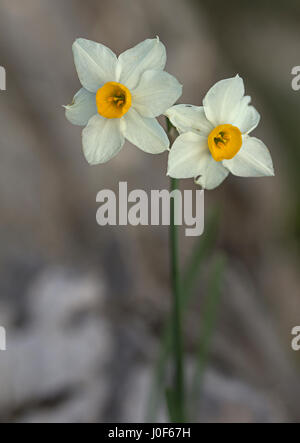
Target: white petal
<point>82,109</point>
<point>150,54</point>
<point>145,133</point>
<point>222,102</point>
<point>156,92</point>
<point>188,156</point>
<point>102,139</point>
<point>189,118</point>
<point>212,175</point>
<point>248,118</point>
<point>253,159</point>
<point>95,63</point>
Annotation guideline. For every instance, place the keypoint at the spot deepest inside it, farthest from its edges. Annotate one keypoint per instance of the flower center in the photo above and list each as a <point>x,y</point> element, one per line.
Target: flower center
<point>224,142</point>
<point>113,100</point>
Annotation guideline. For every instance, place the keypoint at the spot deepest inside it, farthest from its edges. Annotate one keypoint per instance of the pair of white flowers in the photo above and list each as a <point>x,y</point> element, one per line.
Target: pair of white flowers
<point>121,98</point>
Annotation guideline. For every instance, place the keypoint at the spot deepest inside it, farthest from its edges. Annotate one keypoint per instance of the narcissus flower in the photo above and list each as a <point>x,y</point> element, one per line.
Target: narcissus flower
<point>214,139</point>
<point>121,97</point>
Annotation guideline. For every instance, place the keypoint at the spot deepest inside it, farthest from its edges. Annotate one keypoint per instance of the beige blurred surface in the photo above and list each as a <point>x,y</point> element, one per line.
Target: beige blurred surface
<point>84,306</point>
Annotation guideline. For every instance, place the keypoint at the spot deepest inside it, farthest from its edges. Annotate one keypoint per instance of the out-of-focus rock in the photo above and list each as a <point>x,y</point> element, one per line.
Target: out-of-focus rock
<point>64,348</point>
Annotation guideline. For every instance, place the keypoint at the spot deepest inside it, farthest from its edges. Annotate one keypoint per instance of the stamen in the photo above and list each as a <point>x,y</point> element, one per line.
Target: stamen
<point>113,100</point>
<point>224,142</point>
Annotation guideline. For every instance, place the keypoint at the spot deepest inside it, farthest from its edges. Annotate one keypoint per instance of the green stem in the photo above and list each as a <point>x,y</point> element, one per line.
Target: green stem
<point>210,312</point>
<point>178,390</point>
<point>203,248</point>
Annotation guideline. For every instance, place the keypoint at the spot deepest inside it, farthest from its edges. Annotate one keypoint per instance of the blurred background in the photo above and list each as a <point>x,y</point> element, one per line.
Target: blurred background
<point>85,307</point>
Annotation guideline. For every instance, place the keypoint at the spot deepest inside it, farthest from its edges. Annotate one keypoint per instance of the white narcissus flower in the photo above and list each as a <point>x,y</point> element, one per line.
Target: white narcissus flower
<point>214,139</point>
<point>121,97</point>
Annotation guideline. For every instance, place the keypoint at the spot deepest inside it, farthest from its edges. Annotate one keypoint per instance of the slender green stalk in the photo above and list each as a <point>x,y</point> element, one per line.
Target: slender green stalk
<point>178,389</point>
<point>203,249</point>
<point>209,316</point>
<point>182,289</point>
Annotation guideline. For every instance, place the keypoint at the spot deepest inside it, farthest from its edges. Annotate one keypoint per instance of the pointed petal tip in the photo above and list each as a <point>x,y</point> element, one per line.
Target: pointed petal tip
<point>93,163</point>
<point>271,171</point>
<point>78,39</point>
<point>75,42</point>
<point>75,45</point>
